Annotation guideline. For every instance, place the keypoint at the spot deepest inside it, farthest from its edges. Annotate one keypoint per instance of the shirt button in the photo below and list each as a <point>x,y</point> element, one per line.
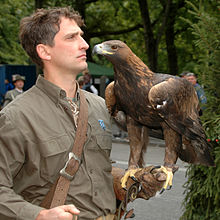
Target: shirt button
<point>95,193</point>
<point>91,171</point>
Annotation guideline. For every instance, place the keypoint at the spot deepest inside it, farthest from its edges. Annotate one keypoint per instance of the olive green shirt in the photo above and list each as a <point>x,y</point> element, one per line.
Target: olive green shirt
<point>37,132</point>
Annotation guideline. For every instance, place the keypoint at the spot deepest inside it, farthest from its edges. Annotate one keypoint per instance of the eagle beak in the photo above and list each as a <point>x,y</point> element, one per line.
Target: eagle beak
<point>99,49</point>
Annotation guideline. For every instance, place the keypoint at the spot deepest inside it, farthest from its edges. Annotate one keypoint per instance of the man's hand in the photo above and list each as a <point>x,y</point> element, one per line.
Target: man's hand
<point>64,212</point>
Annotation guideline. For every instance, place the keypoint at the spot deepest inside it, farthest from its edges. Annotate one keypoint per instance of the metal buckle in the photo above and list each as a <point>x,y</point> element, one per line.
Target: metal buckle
<point>63,172</point>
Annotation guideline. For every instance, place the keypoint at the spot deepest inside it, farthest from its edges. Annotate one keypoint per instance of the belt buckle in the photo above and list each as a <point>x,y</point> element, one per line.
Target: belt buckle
<point>63,172</point>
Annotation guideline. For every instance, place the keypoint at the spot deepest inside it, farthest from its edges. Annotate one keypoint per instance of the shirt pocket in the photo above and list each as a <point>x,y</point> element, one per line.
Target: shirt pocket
<point>54,154</point>
<point>104,143</point>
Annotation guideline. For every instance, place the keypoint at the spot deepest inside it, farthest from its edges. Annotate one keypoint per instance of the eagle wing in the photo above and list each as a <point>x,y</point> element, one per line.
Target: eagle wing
<point>176,102</point>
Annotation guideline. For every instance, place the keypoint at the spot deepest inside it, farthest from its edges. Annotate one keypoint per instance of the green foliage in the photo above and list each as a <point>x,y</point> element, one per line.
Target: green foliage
<point>102,16</point>
<point>11,11</point>
<point>202,199</point>
<point>114,16</point>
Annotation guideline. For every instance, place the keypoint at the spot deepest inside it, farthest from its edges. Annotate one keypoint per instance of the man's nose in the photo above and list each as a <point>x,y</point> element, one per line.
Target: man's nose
<point>84,44</point>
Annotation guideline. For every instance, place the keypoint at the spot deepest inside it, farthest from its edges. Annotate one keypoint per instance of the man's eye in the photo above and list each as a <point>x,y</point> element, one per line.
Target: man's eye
<point>71,37</point>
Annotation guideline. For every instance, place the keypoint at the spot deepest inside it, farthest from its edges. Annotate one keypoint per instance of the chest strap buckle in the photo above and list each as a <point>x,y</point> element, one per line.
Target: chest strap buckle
<point>63,171</point>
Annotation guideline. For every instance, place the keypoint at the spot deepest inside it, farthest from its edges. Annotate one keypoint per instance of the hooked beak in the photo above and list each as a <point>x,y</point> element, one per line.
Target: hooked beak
<point>100,49</point>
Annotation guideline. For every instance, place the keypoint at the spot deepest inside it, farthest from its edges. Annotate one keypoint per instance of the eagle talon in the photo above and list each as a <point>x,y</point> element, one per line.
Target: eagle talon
<point>129,173</point>
<point>124,188</point>
<point>161,191</point>
<point>169,187</point>
<point>133,178</point>
<point>154,168</point>
<point>168,182</point>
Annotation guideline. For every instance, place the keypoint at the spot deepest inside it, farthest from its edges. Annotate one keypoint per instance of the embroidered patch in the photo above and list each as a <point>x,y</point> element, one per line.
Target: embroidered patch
<point>102,124</point>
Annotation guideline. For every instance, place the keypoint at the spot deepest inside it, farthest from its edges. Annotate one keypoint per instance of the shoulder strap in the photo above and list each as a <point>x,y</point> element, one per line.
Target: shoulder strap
<point>58,192</point>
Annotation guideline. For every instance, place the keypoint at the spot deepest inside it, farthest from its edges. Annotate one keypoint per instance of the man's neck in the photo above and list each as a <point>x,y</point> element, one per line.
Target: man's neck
<point>67,82</point>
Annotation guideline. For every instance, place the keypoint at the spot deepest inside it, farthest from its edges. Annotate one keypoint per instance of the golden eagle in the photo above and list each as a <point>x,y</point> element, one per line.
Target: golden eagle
<point>154,100</point>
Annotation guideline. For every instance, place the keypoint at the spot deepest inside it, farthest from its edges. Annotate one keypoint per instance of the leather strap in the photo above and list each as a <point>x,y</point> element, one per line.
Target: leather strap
<point>58,192</point>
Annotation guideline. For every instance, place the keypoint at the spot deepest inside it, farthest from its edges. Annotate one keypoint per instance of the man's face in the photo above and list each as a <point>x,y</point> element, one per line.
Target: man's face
<point>69,51</point>
<point>191,79</point>
<point>19,84</point>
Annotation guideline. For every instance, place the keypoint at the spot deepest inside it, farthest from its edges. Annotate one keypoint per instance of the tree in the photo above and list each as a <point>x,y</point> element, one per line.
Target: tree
<point>152,29</point>
<point>151,41</point>
<point>10,14</point>
<point>202,199</point>
<point>170,35</point>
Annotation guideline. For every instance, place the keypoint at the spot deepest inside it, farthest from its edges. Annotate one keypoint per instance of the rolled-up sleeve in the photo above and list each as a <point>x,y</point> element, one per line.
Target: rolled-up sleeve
<point>12,159</point>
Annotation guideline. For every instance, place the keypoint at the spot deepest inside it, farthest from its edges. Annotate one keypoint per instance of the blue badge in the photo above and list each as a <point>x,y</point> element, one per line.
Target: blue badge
<point>102,124</point>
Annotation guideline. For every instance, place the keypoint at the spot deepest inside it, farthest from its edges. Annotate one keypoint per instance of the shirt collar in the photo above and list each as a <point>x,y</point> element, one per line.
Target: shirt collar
<point>19,90</point>
<point>54,92</point>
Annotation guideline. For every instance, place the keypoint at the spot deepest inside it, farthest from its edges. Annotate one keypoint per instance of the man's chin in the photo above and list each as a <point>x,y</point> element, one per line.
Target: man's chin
<point>85,66</point>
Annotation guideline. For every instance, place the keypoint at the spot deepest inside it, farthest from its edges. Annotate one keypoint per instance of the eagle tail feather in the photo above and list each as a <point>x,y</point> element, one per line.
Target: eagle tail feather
<point>195,148</point>
<point>196,152</point>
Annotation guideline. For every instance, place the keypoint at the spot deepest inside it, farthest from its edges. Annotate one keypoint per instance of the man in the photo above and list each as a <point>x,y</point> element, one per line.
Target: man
<point>18,82</point>
<point>183,74</point>
<point>199,90</point>
<point>37,130</point>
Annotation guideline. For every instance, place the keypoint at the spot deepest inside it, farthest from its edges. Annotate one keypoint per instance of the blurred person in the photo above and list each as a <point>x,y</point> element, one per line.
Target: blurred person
<point>183,74</point>
<point>8,85</point>
<point>87,83</point>
<point>81,82</point>
<point>191,77</point>
<point>10,95</point>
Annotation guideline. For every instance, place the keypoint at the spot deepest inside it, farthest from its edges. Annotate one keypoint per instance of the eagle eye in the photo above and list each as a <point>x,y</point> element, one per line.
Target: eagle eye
<point>114,47</point>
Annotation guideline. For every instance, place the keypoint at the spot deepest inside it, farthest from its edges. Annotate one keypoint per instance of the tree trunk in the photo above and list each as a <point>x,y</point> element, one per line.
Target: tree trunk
<point>152,42</point>
<point>170,37</point>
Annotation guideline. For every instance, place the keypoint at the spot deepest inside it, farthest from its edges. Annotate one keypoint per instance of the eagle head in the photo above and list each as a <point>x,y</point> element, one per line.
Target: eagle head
<point>112,50</point>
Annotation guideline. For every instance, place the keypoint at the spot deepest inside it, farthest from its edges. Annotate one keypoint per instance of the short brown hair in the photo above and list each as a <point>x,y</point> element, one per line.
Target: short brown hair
<point>41,28</point>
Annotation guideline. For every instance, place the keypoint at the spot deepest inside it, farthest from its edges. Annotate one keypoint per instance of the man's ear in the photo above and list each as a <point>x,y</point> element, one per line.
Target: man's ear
<point>43,52</point>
